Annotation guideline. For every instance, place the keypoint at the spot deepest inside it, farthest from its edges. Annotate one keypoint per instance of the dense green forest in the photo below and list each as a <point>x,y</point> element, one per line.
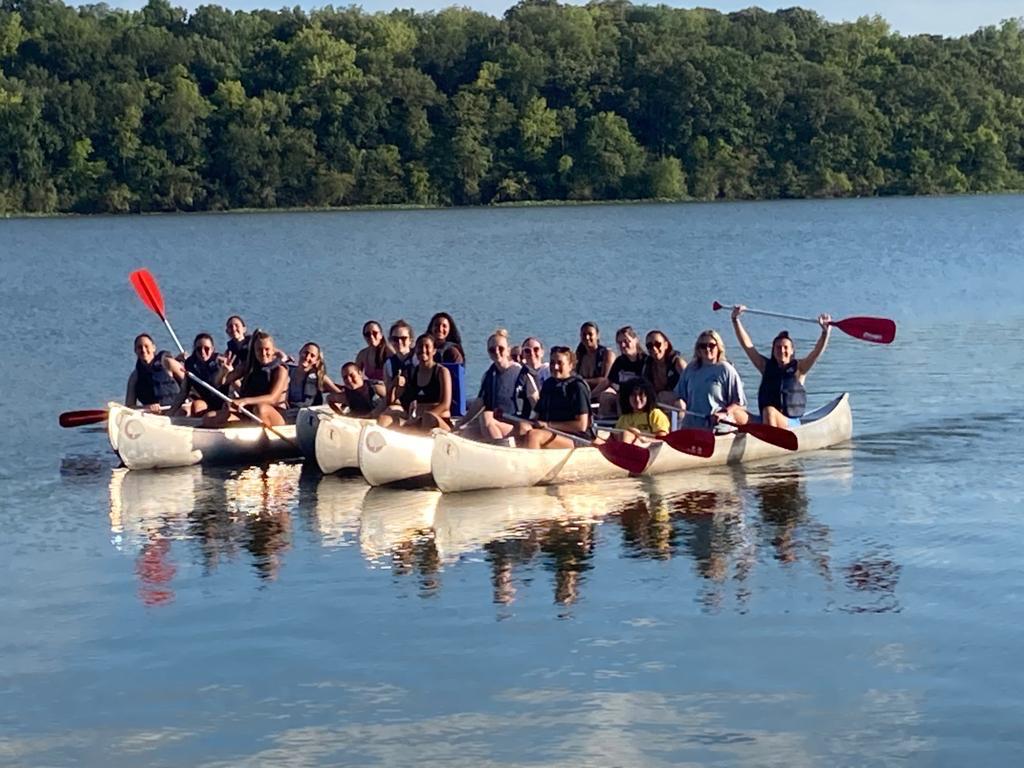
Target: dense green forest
<point>105,110</point>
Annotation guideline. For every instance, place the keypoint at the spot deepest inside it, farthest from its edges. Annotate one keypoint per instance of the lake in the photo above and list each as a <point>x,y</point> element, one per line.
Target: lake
<point>858,606</point>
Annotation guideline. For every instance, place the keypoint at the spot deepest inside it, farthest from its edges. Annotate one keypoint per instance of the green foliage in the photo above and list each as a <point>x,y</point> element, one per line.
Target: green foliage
<point>107,110</point>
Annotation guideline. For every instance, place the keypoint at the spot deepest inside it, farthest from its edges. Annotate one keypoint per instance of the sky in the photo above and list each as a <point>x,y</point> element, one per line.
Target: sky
<point>909,17</point>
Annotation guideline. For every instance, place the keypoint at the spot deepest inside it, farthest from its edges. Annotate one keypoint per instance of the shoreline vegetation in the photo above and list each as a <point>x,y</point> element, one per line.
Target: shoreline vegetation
<point>158,110</point>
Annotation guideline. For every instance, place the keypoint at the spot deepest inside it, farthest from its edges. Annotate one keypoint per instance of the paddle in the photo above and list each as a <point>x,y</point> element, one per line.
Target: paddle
<point>783,438</point>
<point>81,418</point>
<point>880,330</point>
<point>146,287</point>
<point>632,458</point>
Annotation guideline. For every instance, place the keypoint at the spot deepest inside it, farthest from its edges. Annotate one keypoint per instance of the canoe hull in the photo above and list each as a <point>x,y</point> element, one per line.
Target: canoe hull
<point>307,423</point>
<point>336,445</point>
<point>387,456</point>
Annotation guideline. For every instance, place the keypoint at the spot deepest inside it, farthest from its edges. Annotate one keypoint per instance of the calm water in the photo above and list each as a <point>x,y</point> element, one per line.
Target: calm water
<point>858,606</point>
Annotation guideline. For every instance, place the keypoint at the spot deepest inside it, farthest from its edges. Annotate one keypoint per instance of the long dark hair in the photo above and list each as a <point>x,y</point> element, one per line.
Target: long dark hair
<point>582,350</point>
<point>631,386</point>
<point>453,331</point>
<point>380,353</point>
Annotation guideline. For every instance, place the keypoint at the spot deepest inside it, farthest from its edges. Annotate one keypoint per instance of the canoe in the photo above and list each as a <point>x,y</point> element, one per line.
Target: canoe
<point>150,441</point>
<point>307,423</point>
<point>387,456</point>
<point>458,464</point>
<point>336,445</point>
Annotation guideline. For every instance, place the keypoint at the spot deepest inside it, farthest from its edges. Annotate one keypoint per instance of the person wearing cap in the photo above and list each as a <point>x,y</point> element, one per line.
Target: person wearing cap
<point>781,398</point>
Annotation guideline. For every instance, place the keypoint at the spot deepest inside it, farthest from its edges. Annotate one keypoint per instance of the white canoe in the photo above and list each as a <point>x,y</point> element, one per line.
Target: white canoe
<point>387,456</point>
<point>462,465</point>
<point>307,424</point>
<point>336,446</point>
<point>149,441</point>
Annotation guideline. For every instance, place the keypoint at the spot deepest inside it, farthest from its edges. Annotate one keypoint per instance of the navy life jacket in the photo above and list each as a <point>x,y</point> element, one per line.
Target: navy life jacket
<point>671,371</point>
<point>362,401</point>
<point>781,388</point>
<point>259,381</point>
<point>600,356</point>
<point>153,384</point>
<point>303,389</point>
<point>520,395</point>
<point>207,371</point>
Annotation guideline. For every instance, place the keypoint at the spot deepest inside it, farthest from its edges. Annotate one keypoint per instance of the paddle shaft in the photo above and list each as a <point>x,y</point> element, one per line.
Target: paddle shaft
<point>783,315</point>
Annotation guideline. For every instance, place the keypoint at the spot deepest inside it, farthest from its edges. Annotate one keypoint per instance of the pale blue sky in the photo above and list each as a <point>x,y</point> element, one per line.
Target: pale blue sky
<point>943,17</point>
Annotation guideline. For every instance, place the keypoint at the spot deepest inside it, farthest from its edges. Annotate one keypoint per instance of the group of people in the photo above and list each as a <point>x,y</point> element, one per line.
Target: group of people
<point>405,382</point>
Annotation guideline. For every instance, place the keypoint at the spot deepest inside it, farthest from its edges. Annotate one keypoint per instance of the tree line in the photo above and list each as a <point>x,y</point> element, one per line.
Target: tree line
<point>105,110</point>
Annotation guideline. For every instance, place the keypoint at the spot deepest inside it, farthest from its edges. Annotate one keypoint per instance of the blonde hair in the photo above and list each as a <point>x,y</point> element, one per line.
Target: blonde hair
<point>714,336</point>
<point>499,333</point>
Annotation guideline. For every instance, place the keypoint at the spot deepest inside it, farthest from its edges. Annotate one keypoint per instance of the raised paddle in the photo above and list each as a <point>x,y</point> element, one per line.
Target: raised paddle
<point>81,418</point>
<point>146,286</point>
<point>880,330</point>
<point>783,438</point>
<point>632,458</point>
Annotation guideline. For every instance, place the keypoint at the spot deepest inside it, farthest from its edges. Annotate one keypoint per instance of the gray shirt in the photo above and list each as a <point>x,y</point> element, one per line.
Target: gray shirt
<point>709,388</point>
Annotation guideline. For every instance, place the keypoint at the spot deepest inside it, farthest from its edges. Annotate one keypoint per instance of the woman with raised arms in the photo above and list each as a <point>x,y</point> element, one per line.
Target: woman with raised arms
<point>154,383</point>
<point>710,388</point>
<point>593,361</point>
<point>262,384</point>
<point>448,339</point>
<point>564,405</point>
<point>781,398</point>
<point>425,397</point>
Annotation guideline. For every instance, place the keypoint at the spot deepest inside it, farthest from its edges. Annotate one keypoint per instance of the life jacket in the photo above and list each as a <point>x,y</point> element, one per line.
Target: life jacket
<point>781,388</point>
<point>259,381</point>
<point>240,349</point>
<point>520,395</point>
<point>601,354</point>
<point>303,388</point>
<point>153,384</point>
<point>362,401</point>
<point>207,371</point>
<point>446,353</point>
<point>671,371</point>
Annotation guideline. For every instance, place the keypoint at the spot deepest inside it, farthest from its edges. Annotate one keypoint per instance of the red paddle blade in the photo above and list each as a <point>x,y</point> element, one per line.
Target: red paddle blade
<point>81,418</point>
<point>879,330</point>
<point>774,435</point>
<point>632,458</point>
<point>695,442</point>
<point>145,285</point>
<point>716,306</point>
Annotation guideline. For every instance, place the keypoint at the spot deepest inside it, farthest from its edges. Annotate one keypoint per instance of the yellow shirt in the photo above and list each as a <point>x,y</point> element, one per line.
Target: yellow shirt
<point>653,422</point>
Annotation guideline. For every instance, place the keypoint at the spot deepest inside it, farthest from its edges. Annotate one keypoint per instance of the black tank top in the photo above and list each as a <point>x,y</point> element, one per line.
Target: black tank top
<point>424,394</point>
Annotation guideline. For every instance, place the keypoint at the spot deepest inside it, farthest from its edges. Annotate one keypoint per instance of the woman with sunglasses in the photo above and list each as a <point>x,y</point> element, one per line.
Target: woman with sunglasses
<point>497,388</point>
<point>401,337</point>
<point>308,379</point>
<point>593,361</point>
<point>425,395</point>
<point>532,375</point>
<point>203,364</point>
<point>628,365</point>
<point>663,366</point>
<point>564,404</point>
<point>710,389</point>
<point>449,341</point>
<point>781,398</point>
<point>372,357</point>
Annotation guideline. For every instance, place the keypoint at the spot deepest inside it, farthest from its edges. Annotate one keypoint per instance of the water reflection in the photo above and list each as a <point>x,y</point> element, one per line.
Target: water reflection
<point>726,522</point>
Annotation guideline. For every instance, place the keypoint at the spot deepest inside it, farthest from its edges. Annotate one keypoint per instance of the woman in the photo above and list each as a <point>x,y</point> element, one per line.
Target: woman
<point>238,340</point>
<point>154,382</point>
<point>372,357</point>
<point>400,335</point>
<point>262,384</point>
<point>308,379</point>
<point>593,361</point>
<point>202,364</point>
<point>449,341</point>
<point>710,389</point>
<point>497,388</point>
<point>781,398</point>
<point>641,416</point>
<point>663,366</point>
<point>425,396</point>
<point>532,375</point>
<point>564,405</point>
<point>356,394</point>
<point>628,365</point>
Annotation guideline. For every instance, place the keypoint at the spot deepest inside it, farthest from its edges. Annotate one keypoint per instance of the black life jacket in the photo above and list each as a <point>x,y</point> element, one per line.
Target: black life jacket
<point>397,364</point>
<point>207,371</point>
<point>259,381</point>
<point>671,371</point>
<point>781,388</point>
<point>240,349</point>
<point>153,384</point>
<point>520,395</point>
<point>601,355</point>
<point>445,353</point>
<point>303,388</point>
<point>361,401</point>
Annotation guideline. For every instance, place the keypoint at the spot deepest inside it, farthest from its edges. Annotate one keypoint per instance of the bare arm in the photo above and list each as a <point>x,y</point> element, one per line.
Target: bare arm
<point>330,386</point>
<point>743,338</point>
<point>129,395</point>
<point>826,330</point>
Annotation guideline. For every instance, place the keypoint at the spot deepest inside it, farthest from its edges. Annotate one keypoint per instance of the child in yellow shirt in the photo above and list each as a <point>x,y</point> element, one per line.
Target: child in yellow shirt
<point>641,417</point>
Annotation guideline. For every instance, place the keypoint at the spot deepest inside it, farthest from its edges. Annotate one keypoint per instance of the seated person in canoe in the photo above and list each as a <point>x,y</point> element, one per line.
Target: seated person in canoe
<point>628,365</point>
<point>641,418</point>
<point>194,399</point>
<point>425,397</point>
<point>154,383</point>
<point>497,388</point>
<point>533,372</point>
<point>710,388</point>
<point>238,340</point>
<point>593,361</point>
<point>564,405</point>
<point>262,385</point>
<point>781,398</point>
<point>448,347</point>
<point>374,355</point>
<point>663,366</point>
<point>401,337</point>
<point>308,381</point>
<point>357,397</point>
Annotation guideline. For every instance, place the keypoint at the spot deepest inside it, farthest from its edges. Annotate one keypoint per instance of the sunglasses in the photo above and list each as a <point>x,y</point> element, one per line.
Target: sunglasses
<point>397,339</point>
<point>368,334</point>
<point>495,350</point>
<point>655,344</point>
<point>707,345</point>
<point>205,349</point>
